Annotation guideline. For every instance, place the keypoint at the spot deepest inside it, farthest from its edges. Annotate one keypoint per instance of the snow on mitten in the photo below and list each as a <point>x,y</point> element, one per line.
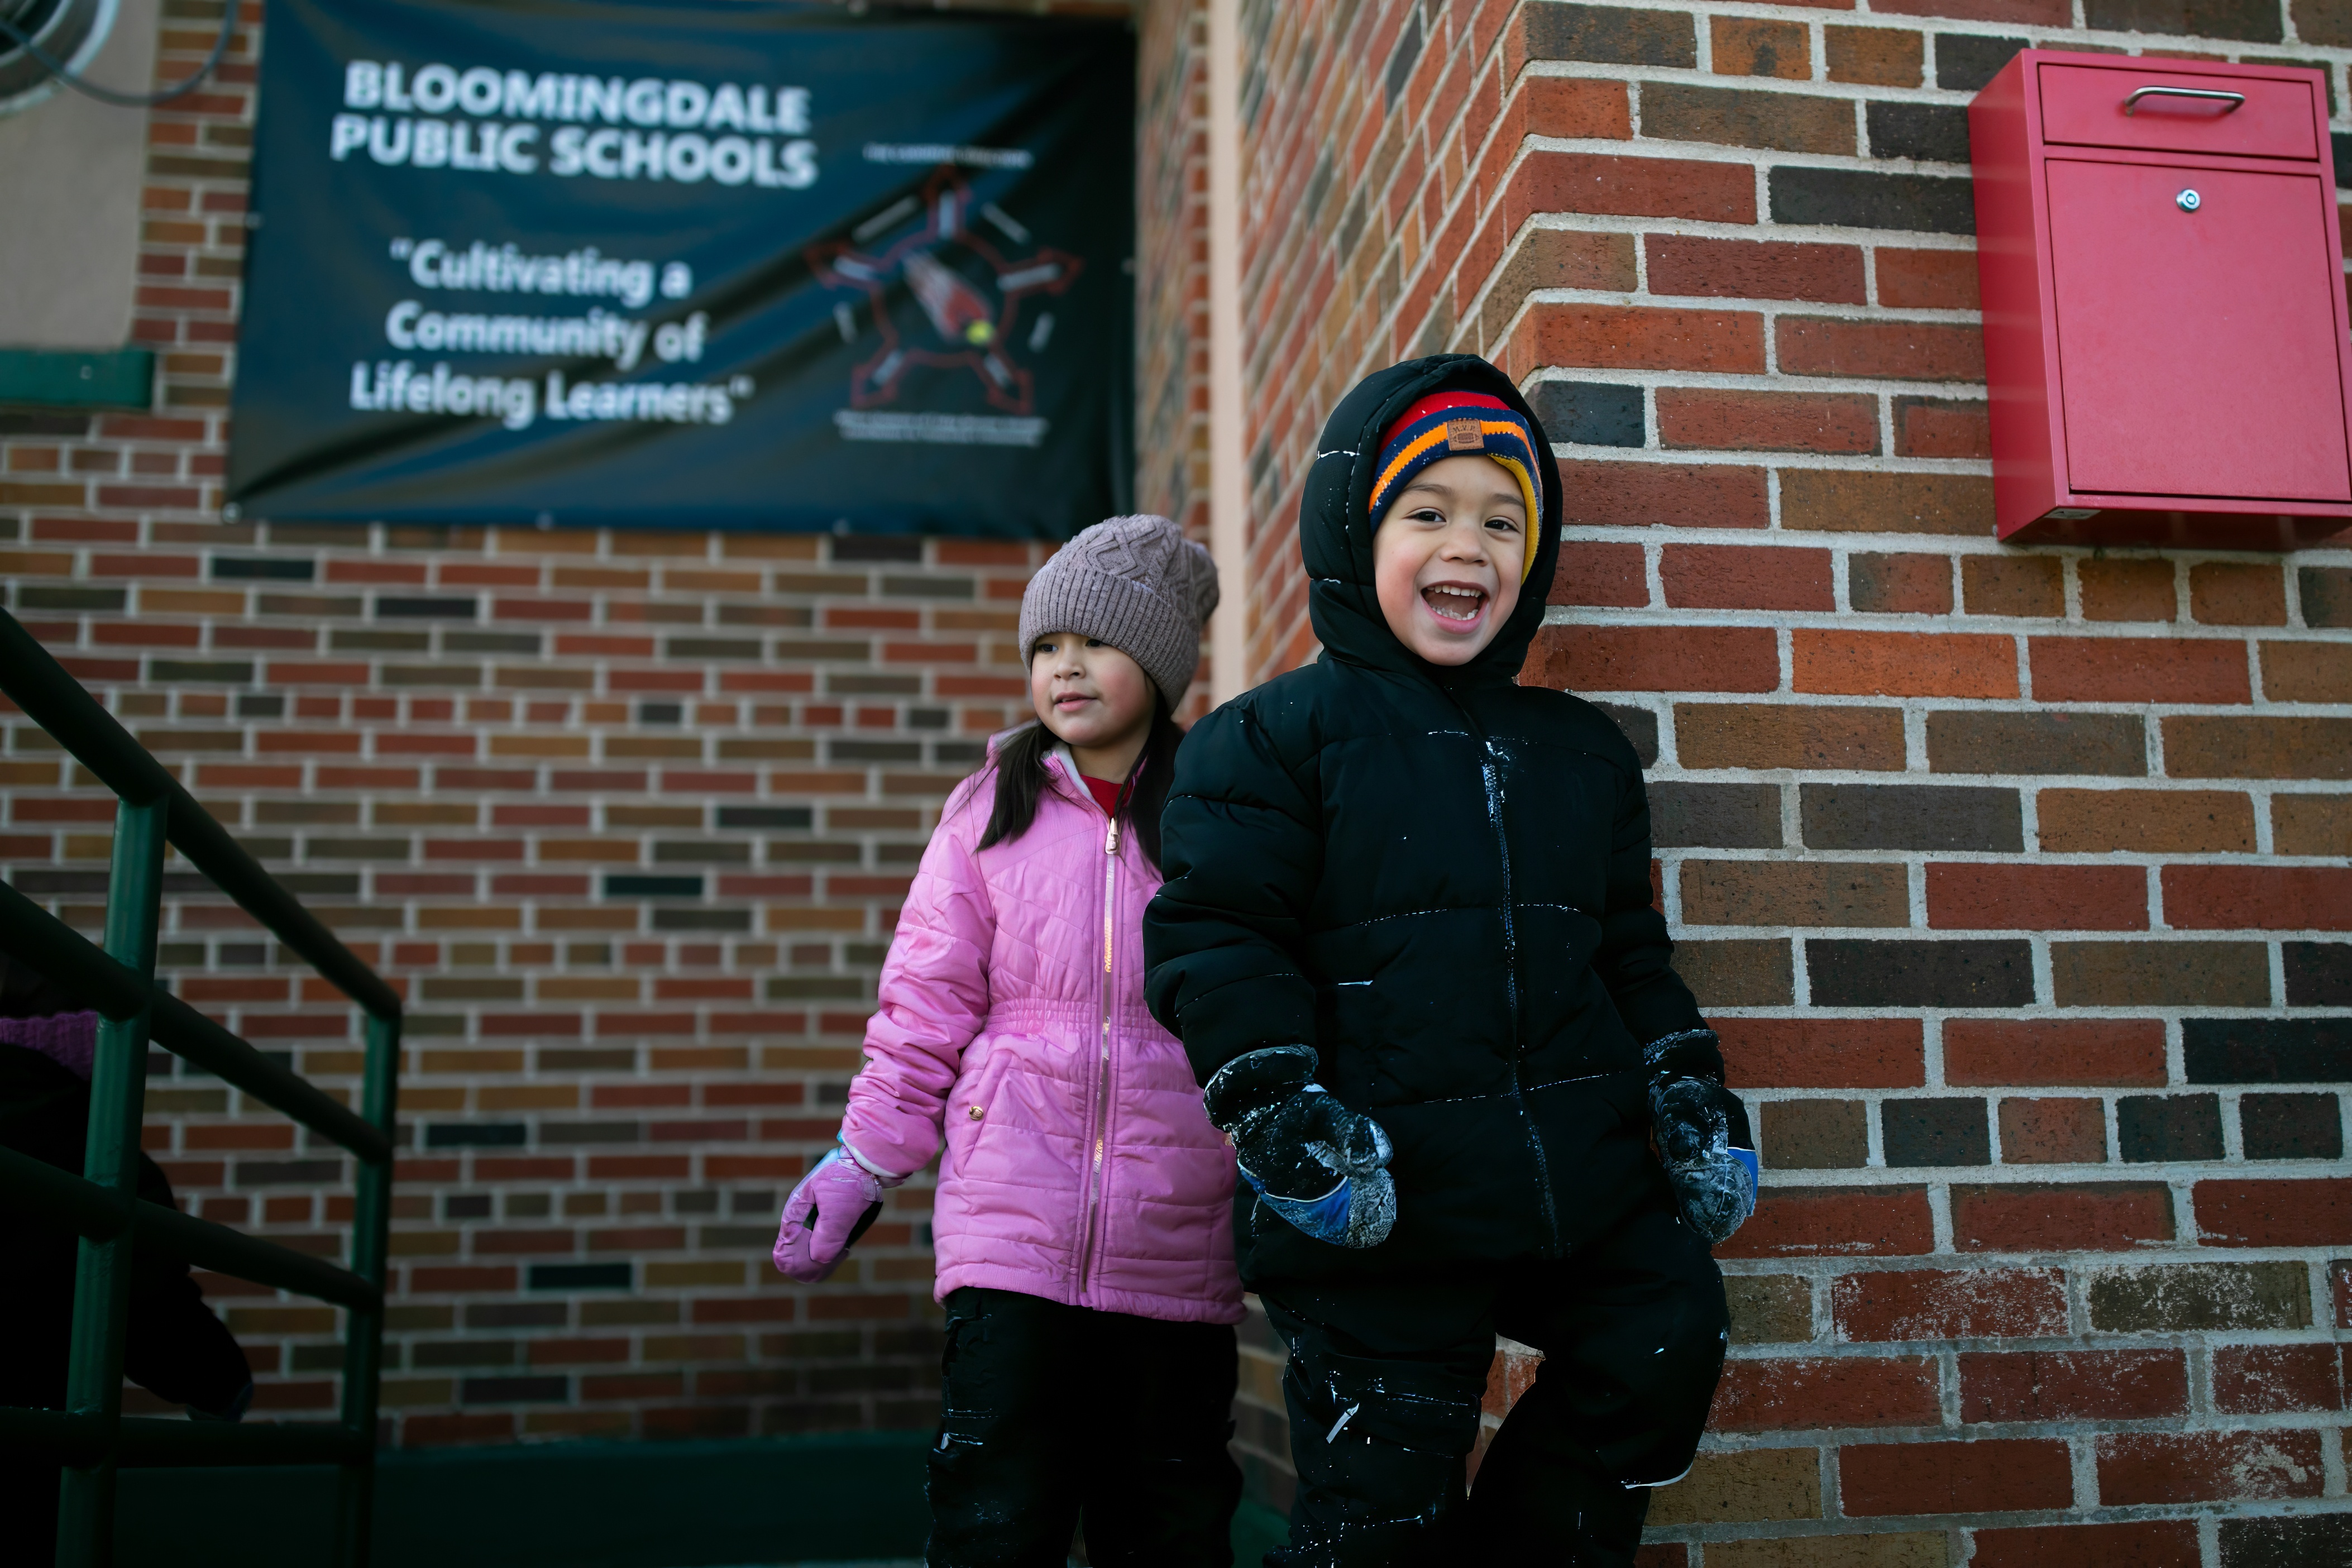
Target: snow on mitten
<point>1708,1153</point>
<point>1314,1162</point>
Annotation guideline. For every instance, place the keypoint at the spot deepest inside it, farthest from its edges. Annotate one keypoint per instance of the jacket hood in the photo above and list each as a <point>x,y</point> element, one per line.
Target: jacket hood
<point>1335,522</point>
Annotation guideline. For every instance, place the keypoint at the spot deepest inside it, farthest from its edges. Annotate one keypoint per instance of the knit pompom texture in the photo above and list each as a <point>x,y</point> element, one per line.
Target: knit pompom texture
<point>1135,583</point>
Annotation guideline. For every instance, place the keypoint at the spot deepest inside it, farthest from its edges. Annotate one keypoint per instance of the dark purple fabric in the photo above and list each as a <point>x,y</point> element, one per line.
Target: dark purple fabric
<point>69,1039</point>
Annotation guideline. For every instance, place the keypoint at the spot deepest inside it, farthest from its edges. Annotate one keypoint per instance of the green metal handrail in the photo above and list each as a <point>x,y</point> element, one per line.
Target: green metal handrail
<point>91,1438</point>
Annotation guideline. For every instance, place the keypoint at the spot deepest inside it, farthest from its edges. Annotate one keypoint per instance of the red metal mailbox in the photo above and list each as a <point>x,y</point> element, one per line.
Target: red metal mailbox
<point>2164,303</point>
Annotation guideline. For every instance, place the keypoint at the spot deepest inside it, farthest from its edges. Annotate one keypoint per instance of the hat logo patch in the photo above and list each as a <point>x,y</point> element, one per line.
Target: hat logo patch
<point>1464,436</point>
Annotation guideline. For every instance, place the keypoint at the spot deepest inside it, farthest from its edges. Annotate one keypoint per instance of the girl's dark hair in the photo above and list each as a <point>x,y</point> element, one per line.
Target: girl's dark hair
<point>1020,765</point>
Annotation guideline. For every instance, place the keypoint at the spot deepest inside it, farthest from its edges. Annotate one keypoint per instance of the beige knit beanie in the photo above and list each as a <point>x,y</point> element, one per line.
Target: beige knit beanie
<point>1135,583</point>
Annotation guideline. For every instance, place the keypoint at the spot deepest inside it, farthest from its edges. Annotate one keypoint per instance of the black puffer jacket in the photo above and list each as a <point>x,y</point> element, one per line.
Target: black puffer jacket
<point>1438,878</point>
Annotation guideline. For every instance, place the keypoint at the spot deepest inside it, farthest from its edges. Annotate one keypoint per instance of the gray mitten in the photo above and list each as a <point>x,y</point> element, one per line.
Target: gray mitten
<point>1310,1159</point>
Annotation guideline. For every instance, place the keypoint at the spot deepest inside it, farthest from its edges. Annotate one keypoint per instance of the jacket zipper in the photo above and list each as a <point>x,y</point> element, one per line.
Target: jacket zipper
<point>1100,1123</point>
<point>1102,1087</point>
<point>1491,779</point>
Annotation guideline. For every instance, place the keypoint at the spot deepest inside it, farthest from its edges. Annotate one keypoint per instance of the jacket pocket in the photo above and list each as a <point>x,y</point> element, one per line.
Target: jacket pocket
<point>973,1096</point>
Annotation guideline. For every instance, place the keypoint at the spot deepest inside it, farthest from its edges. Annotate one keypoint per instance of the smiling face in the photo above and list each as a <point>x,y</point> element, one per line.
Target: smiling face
<point>1447,557</point>
<point>1094,697</point>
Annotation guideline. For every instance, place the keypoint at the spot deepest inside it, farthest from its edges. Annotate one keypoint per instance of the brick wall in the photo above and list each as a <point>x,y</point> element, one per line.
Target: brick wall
<point>2014,878</point>
<point>626,816</point>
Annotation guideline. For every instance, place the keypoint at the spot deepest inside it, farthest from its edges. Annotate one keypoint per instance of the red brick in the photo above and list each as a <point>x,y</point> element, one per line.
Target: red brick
<point>2014,586</point>
<point>1716,420</point>
<point>1741,577</point>
<point>1879,350</point>
<point>2139,669</point>
<point>1734,117</point>
<point>426,1431</point>
<point>2274,1213</point>
<point>1655,658</point>
<point>1822,1052</point>
<point>1903,664</point>
<point>1941,428</point>
<point>1841,1222</point>
<point>1593,572</point>
<point>1992,897</point>
<point>1915,584</point>
<point>2143,1544</point>
<point>2126,590</point>
<point>1926,279</point>
<point>2264,747</point>
<point>2106,1052</point>
<point>1982,1476</point>
<point>1626,337</point>
<point>461,1280</point>
<point>1753,270</point>
<point>1882,56</point>
<point>2163,821</point>
<point>1947,1304</point>
<point>2103,1217</point>
<point>2258,897</point>
<point>771,1309</point>
<point>2308,672</point>
<point>2207,1467</point>
<point>1544,259</point>
<point>1610,183</point>
<point>1748,45</point>
<point>2231,593</point>
<point>2053,1132</point>
<point>1778,1396</point>
<point>2264,1380</point>
<point>2073,1386</point>
<point>1676,495</point>
<point>1571,108</point>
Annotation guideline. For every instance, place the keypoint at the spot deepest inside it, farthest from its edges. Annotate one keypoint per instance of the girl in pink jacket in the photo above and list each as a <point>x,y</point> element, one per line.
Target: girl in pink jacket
<point>1082,1221</point>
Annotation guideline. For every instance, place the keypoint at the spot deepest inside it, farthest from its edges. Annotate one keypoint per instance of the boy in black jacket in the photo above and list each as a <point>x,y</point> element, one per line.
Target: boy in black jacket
<point>1407,940</point>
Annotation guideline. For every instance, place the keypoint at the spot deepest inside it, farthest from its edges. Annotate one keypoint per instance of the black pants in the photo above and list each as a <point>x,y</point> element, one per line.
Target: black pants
<point>1386,1380</point>
<point>1050,1412</point>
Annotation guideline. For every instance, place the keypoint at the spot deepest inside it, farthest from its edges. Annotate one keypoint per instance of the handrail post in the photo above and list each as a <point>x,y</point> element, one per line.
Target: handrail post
<point>364,1342</point>
<point>118,1091</point>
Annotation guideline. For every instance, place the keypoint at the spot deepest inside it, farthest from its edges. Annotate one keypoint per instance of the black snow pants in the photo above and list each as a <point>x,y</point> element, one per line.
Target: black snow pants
<point>1386,1378</point>
<point>1048,1412</point>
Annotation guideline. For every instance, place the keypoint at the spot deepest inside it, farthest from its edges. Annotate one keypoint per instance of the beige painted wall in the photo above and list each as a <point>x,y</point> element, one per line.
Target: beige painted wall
<point>69,177</point>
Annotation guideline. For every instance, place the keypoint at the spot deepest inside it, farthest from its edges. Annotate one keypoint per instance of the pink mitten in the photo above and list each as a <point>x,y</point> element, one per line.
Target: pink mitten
<point>829,1210</point>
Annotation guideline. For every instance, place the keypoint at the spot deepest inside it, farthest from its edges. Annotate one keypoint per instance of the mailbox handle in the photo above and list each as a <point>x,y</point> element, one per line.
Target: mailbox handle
<point>2233,99</point>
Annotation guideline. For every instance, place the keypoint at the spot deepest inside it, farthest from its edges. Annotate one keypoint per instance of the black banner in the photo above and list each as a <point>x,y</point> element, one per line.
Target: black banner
<point>575,263</point>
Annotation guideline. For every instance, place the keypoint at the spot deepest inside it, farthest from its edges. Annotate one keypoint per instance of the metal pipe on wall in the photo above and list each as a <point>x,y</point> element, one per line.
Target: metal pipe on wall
<point>1229,532</point>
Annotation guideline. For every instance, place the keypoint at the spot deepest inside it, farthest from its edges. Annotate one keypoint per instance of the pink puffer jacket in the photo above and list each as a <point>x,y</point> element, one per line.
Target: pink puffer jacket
<point>1080,1166</point>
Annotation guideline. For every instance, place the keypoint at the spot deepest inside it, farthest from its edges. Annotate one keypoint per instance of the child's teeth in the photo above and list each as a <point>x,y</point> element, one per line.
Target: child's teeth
<point>1454,604</point>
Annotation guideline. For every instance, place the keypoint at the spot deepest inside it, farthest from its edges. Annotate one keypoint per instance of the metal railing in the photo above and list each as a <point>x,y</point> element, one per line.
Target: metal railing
<point>91,1437</point>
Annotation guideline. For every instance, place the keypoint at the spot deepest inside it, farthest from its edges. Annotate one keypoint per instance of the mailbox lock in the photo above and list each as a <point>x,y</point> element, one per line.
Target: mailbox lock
<point>2189,201</point>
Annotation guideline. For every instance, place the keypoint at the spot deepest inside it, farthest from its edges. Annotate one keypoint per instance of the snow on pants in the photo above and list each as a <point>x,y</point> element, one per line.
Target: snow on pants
<point>1048,1412</point>
<point>1387,1377</point>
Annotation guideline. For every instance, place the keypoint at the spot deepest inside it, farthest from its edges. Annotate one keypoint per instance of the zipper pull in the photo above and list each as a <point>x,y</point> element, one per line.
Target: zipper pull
<point>1110,840</point>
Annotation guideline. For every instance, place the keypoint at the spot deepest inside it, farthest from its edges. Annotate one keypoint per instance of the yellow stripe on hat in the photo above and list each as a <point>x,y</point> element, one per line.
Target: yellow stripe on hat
<point>1518,471</point>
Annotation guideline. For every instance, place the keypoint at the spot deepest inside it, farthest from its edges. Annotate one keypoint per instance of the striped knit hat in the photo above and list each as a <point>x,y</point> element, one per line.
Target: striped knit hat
<point>1457,424</point>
